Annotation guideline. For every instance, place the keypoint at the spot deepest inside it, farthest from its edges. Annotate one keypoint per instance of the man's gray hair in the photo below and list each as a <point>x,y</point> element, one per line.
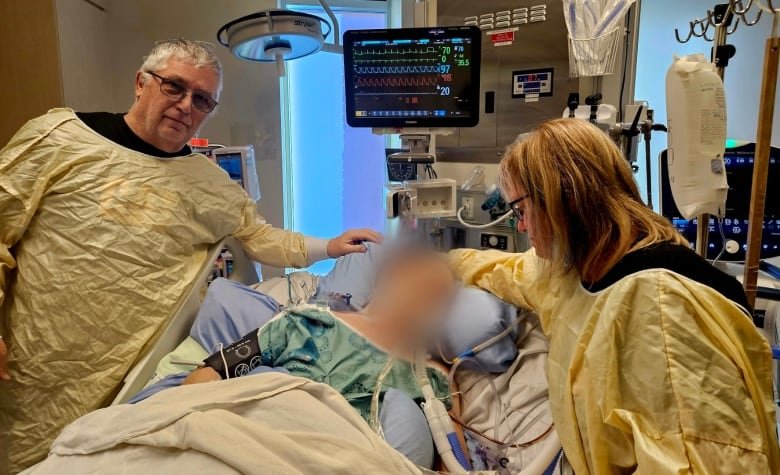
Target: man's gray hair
<point>197,53</point>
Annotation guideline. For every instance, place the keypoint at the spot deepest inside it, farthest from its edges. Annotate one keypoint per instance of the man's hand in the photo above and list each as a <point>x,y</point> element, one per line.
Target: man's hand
<point>4,375</point>
<point>202,375</point>
<point>352,241</point>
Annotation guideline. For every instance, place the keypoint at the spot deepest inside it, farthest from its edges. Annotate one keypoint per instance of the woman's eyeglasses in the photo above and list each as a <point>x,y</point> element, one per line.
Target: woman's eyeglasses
<point>519,212</point>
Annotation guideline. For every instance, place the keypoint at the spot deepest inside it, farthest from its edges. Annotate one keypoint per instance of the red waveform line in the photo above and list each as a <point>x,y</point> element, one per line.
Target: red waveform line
<point>398,81</point>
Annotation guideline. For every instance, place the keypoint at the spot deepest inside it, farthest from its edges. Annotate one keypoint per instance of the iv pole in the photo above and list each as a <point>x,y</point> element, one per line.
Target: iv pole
<point>718,48</point>
<point>721,19</point>
<point>766,106</point>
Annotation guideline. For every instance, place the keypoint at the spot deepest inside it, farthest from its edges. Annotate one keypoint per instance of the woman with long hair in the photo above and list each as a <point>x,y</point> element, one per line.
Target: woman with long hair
<point>655,364</point>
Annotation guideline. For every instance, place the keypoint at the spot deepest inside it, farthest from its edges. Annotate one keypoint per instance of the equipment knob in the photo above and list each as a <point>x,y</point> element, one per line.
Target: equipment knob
<point>493,241</point>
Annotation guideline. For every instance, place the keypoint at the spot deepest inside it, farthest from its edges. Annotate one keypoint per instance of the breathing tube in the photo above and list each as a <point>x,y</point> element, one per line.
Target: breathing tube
<point>442,429</point>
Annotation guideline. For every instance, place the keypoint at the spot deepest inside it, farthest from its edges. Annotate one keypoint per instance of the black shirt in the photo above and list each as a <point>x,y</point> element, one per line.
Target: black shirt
<point>113,127</point>
<point>679,259</point>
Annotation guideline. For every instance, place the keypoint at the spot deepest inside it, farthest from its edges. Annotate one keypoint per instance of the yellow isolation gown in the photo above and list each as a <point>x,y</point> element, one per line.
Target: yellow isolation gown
<point>98,244</point>
<point>654,374</point>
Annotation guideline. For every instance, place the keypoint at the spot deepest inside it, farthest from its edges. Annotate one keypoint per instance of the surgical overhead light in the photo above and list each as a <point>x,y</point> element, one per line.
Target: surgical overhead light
<point>279,35</point>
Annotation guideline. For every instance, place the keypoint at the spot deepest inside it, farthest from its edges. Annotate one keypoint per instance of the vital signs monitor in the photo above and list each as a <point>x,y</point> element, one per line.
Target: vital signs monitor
<point>739,172</point>
<point>412,77</point>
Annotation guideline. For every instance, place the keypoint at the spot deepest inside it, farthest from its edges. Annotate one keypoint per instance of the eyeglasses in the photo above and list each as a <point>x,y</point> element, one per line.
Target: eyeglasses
<point>176,90</point>
<point>519,212</point>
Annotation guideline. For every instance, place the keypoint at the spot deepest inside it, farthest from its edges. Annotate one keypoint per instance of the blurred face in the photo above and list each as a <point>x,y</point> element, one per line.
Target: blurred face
<point>527,222</point>
<point>419,290</point>
<point>166,122</point>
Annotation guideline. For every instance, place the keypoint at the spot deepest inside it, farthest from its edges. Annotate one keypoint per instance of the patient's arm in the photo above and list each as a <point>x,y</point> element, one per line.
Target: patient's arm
<point>202,375</point>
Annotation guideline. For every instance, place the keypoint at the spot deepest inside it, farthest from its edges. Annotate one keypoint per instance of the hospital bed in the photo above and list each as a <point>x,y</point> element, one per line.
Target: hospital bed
<point>522,389</point>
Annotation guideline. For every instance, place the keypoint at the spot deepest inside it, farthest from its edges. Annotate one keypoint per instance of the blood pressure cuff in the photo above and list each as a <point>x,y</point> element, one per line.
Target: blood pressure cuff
<point>238,359</point>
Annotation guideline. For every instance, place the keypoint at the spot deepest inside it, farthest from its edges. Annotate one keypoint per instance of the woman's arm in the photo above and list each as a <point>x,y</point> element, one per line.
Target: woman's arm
<point>510,277</point>
<point>666,374</point>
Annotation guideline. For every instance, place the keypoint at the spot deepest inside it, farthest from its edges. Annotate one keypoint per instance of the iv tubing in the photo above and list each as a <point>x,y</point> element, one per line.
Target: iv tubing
<point>550,448</point>
<point>468,356</point>
<point>498,337</point>
<point>374,415</point>
<point>545,458</point>
<point>489,342</point>
<point>482,226</point>
<point>501,411</point>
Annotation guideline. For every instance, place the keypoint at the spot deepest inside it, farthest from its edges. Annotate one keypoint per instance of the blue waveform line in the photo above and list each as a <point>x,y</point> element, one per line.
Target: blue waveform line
<point>396,69</point>
<point>397,60</point>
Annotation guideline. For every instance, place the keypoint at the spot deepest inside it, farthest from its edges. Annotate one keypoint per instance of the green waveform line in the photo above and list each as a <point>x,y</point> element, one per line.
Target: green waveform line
<point>385,52</point>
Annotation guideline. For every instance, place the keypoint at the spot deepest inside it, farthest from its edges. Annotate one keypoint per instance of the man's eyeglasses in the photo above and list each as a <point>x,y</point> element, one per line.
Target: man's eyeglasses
<point>177,90</point>
<point>519,212</point>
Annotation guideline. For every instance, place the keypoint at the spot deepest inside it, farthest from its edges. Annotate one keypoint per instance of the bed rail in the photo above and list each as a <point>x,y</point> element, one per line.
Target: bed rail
<point>177,328</point>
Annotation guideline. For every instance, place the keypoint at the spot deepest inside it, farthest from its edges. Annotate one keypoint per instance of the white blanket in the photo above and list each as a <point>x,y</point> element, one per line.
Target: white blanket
<point>269,423</point>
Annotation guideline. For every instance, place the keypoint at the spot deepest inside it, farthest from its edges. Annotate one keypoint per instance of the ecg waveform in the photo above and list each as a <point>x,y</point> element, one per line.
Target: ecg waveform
<point>400,81</point>
<point>407,69</point>
<point>390,55</point>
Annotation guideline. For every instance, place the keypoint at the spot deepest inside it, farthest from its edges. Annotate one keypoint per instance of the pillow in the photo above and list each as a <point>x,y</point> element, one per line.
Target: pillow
<point>477,316</point>
<point>406,428</point>
<point>352,274</point>
<point>230,311</point>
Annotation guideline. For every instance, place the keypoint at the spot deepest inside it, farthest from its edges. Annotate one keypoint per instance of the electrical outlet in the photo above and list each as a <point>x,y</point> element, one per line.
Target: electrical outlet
<point>467,204</point>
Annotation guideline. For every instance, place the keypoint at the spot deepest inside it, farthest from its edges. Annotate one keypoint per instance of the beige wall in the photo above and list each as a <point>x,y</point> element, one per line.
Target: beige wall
<point>29,63</point>
<point>86,54</point>
<point>249,107</point>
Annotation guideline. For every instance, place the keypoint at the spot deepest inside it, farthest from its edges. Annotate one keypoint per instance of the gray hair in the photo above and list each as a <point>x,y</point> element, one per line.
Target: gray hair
<point>197,53</point>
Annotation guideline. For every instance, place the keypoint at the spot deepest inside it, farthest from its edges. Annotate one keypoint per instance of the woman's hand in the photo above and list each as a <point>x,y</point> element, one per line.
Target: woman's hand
<point>352,241</point>
<point>202,375</point>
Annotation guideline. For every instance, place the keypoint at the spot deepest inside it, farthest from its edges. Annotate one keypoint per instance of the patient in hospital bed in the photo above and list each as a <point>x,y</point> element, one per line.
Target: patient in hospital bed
<point>349,350</point>
<point>398,297</point>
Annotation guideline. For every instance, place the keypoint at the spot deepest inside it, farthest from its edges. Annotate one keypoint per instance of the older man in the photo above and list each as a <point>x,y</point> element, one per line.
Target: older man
<point>105,220</point>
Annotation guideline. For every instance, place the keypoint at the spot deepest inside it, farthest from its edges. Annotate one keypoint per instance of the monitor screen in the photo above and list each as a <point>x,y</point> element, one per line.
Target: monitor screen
<point>739,172</point>
<point>412,77</point>
<point>232,164</point>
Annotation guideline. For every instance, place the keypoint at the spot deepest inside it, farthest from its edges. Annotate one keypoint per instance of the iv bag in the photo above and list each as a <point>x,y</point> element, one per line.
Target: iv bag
<point>696,118</point>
